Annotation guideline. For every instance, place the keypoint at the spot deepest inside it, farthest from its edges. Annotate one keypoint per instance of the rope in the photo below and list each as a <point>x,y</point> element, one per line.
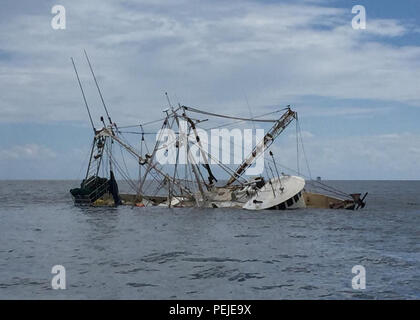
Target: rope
<point>142,124</point>
<point>229,117</point>
<point>119,169</point>
<point>324,186</point>
<point>297,144</point>
<point>219,126</point>
<point>303,149</point>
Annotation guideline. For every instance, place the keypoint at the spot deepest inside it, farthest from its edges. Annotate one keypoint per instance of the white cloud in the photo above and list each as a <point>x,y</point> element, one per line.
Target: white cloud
<point>354,111</point>
<point>386,27</point>
<point>207,55</point>
<point>387,156</point>
<point>27,152</point>
<point>303,134</point>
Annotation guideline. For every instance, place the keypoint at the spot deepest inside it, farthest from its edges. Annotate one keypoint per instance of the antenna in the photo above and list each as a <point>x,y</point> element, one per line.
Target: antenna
<point>83,94</point>
<point>169,101</point>
<point>97,86</point>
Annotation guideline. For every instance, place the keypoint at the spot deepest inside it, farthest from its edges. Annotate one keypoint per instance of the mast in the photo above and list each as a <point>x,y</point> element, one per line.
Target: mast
<point>266,142</point>
<point>97,86</point>
<point>206,165</point>
<point>90,158</point>
<point>84,97</point>
<point>190,158</point>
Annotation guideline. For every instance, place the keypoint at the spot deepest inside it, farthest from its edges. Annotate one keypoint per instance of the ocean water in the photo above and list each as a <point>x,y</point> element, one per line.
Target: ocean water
<point>156,253</point>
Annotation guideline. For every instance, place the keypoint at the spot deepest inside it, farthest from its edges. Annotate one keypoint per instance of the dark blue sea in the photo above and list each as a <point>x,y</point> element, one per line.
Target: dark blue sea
<point>158,253</point>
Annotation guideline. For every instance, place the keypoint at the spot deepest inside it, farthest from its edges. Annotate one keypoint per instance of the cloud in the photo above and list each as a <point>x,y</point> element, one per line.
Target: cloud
<point>27,152</point>
<point>386,27</point>
<point>205,55</point>
<point>386,156</point>
<point>36,161</point>
<point>354,111</point>
<point>303,134</point>
<point>209,55</point>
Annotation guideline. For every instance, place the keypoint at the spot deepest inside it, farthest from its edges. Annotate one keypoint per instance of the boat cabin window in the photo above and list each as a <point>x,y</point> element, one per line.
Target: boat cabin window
<point>281,206</point>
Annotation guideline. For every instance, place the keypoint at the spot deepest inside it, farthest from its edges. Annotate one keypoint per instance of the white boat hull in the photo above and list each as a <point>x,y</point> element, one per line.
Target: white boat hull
<point>283,193</point>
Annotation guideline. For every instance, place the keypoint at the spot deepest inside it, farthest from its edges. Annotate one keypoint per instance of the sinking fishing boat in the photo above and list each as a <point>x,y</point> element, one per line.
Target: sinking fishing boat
<point>193,179</point>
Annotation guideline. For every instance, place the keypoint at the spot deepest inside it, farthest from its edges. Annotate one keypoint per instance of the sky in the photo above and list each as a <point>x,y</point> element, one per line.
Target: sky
<point>356,91</point>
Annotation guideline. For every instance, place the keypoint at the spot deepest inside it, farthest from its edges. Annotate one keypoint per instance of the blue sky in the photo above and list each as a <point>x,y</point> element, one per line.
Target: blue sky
<point>357,91</point>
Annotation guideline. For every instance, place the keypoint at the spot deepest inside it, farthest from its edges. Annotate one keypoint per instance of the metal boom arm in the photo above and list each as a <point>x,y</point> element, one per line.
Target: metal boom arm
<point>107,132</point>
<point>266,142</point>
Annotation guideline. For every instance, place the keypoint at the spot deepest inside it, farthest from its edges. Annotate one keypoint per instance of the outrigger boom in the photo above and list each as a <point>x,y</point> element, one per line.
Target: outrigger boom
<point>268,139</point>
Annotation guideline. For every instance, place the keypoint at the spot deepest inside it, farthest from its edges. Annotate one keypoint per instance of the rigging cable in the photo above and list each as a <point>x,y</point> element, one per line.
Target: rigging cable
<point>142,124</point>
<point>84,97</point>
<point>297,144</point>
<point>225,116</point>
<point>303,149</point>
<point>97,86</point>
<point>322,185</point>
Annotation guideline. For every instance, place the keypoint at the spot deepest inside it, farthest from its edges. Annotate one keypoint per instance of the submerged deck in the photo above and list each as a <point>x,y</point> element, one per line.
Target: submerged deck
<point>312,201</point>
